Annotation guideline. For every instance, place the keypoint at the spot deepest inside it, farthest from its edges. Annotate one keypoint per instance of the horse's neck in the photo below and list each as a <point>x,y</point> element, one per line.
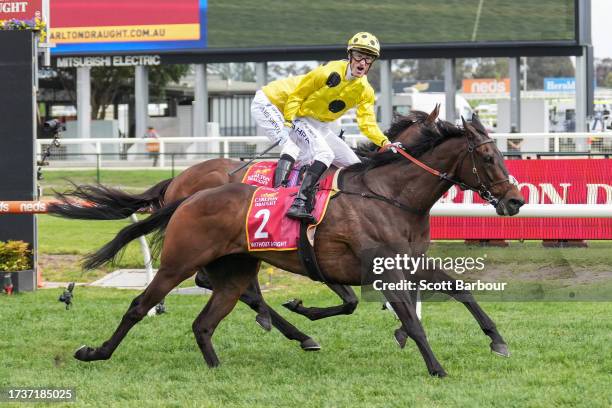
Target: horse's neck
<point>410,184</point>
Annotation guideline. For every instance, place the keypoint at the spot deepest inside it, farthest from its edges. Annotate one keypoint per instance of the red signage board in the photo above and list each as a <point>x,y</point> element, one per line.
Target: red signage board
<point>120,21</point>
<point>580,181</point>
<point>20,9</point>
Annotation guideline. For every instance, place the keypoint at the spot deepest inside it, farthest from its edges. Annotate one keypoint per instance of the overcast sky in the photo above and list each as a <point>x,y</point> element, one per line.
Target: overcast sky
<point>601,28</point>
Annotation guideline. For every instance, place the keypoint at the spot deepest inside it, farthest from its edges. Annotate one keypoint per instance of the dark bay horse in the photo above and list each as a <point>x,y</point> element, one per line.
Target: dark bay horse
<point>382,204</point>
<point>113,204</point>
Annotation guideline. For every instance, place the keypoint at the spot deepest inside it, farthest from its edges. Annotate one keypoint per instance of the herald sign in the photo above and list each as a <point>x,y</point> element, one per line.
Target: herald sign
<point>20,10</point>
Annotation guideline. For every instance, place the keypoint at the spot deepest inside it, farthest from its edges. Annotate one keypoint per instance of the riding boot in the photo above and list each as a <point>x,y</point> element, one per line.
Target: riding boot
<point>304,201</point>
<point>283,167</point>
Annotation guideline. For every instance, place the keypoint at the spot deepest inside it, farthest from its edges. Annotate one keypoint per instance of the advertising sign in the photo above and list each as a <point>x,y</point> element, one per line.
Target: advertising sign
<point>580,181</point>
<point>20,10</point>
<point>136,25</point>
<point>560,84</point>
<point>486,86</point>
<point>107,26</point>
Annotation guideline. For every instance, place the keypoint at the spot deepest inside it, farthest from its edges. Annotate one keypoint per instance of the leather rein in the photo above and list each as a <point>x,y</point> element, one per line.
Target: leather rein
<point>482,190</point>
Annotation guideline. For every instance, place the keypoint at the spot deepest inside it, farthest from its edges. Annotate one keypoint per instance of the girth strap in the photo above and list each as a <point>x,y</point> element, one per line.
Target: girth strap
<point>307,255</point>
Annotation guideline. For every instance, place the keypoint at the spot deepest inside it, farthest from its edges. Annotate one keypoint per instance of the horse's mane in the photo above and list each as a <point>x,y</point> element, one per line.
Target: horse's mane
<point>431,135</point>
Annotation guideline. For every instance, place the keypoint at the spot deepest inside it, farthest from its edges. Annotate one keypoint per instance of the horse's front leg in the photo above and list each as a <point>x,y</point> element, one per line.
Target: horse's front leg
<point>411,325</point>
<point>498,345</point>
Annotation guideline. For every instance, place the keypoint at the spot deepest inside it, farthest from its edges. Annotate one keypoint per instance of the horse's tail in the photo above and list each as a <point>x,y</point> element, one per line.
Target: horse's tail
<point>106,203</point>
<point>155,222</point>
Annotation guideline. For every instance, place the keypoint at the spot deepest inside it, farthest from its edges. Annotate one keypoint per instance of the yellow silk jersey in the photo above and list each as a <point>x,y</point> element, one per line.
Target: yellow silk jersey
<point>325,94</point>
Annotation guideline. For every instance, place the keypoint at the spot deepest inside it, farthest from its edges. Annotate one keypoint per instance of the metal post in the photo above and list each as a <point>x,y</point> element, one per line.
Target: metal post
<point>98,168</point>
<point>146,253</point>
<point>581,94</point>
<point>450,88</point>
<point>200,105</point>
<point>141,97</point>
<point>84,102</point>
<point>386,94</point>
<point>162,154</point>
<point>514,65</point>
<point>261,73</point>
<point>524,61</point>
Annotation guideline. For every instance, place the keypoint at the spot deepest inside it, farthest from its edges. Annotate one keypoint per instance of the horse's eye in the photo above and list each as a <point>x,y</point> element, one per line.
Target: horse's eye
<point>488,159</point>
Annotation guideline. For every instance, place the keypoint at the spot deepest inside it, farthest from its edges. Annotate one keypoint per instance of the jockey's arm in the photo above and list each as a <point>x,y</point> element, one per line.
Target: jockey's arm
<point>311,82</point>
<point>366,119</point>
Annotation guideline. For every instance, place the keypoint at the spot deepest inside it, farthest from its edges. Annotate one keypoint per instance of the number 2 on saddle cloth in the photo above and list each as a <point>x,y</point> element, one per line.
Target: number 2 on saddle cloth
<point>267,228</point>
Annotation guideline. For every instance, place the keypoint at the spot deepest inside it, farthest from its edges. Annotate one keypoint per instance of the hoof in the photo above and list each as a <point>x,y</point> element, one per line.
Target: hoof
<point>400,338</point>
<point>214,363</point>
<point>86,353</point>
<point>263,319</point>
<point>500,349</point>
<point>440,373</point>
<point>310,345</point>
<point>293,304</point>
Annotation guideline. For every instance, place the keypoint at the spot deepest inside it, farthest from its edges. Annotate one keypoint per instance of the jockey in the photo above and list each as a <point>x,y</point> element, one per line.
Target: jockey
<point>309,103</point>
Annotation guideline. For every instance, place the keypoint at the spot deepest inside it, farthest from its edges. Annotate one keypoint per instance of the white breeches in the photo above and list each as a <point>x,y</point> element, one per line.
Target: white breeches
<point>270,122</point>
<point>310,139</point>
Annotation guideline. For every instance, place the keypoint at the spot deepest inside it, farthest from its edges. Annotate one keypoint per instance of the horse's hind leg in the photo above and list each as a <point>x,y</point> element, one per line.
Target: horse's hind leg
<point>230,277</point>
<point>252,297</point>
<point>498,345</point>
<point>162,284</point>
<point>348,306</point>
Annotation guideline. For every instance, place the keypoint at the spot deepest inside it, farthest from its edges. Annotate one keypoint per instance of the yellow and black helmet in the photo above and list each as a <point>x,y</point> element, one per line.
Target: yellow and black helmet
<point>365,42</point>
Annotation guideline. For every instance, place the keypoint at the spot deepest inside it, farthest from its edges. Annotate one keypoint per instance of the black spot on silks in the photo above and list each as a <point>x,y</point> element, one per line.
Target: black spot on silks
<point>336,106</point>
<point>333,79</point>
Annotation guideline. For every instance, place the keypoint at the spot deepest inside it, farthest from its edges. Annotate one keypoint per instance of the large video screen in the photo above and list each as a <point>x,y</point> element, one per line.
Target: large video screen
<point>158,25</point>
<point>233,23</point>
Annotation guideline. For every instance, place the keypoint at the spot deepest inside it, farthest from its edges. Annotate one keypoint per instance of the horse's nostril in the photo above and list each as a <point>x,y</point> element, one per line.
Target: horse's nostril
<point>516,202</point>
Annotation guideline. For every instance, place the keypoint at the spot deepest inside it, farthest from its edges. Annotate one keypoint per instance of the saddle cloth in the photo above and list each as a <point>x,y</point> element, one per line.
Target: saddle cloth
<point>267,228</point>
<point>262,174</point>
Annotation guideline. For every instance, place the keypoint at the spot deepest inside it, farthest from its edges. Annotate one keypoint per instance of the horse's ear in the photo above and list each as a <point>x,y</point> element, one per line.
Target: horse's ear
<point>431,118</point>
<point>477,124</point>
<point>469,129</point>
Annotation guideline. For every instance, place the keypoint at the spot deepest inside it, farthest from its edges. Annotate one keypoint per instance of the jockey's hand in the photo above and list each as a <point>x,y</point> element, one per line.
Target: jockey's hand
<point>283,136</point>
<point>390,146</point>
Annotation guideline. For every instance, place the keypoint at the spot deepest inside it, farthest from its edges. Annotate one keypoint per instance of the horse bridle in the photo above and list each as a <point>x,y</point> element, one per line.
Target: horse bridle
<point>482,189</point>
